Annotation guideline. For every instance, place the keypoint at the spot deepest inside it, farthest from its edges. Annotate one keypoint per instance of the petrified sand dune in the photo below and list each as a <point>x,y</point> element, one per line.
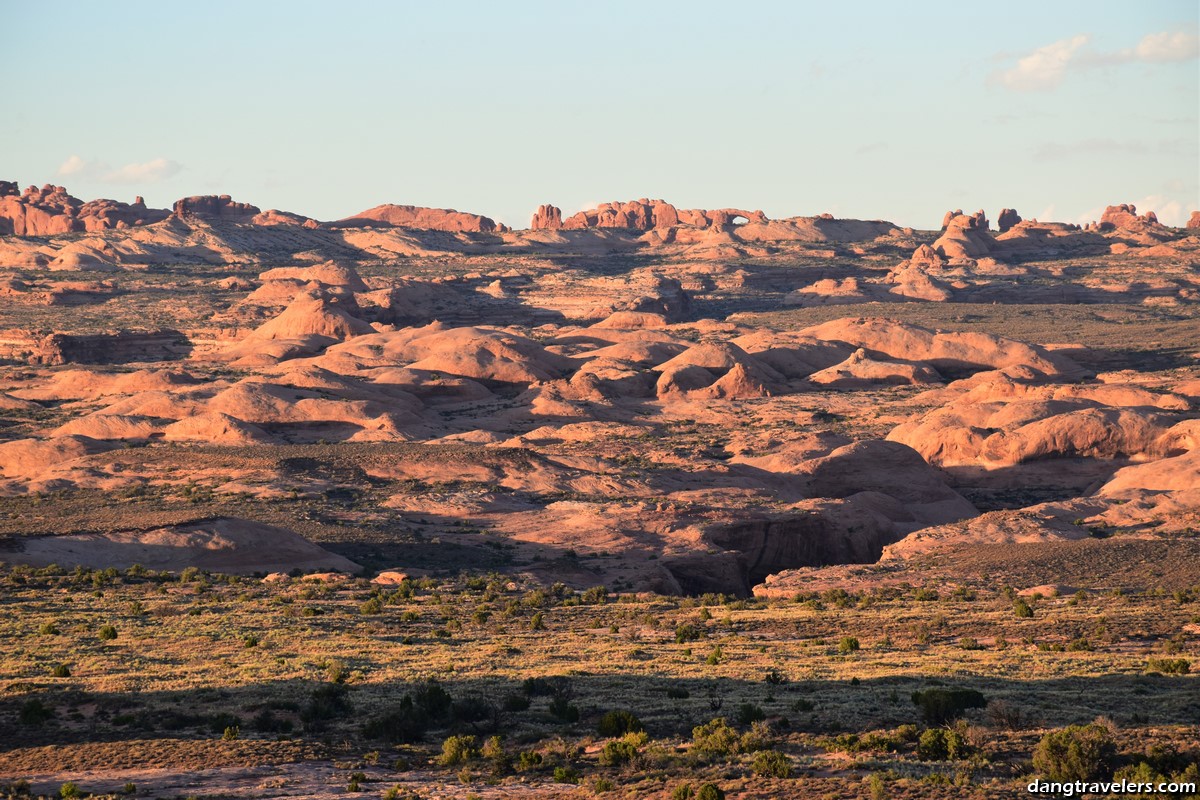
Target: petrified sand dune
<point>227,545</point>
<point>29,458</point>
<point>860,370</point>
<point>944,350</point>
<point>438,219</point>
<point>995,434</point>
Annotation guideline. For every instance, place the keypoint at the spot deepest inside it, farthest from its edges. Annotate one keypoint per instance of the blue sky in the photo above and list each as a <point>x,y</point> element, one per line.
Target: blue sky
<point>871,110</point>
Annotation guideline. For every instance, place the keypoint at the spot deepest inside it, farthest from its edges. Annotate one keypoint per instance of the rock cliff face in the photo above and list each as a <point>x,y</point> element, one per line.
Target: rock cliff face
<point>436,219</point>
<point>211,206</point>
<point>1008,218</point>
<point>50,211</point>
<point>40,347</point>
<point>546,218</point>
<point>641,215</point>
<point>1194,221</point>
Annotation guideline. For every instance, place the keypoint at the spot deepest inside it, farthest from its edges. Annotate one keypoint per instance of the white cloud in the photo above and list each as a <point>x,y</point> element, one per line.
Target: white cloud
<point>1043,68</point>
<point>148,172</point>
<point>1168,46</point>
<point>1168,210</point>
<point>74,165</point>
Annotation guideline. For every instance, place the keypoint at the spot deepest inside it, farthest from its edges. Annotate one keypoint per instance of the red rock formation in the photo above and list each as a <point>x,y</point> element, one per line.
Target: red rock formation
<point>1008,218</point>
<point>1194,221</point>
<point>1125,216</point>
<point>50,210</point>
<point>645,214</point>
<point>436,219</point>
<point>276,217</point>
<point>966,236</point>
<point>546,218</point>
<point>211,206</point>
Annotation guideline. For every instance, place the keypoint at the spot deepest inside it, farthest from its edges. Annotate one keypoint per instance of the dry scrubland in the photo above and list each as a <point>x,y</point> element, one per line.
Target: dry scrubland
<point>640,503</point>
<point>226,674</point>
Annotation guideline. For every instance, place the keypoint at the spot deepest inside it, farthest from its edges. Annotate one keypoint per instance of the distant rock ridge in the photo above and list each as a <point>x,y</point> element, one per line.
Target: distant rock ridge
<point>50,210</point>
<point>641,215</point>
<point>211,206</point>
<point>437,219</point>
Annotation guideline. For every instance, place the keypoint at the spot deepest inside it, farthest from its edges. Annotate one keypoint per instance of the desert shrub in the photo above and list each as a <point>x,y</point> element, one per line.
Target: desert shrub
<point>34,712</point>
<point>335,671</point>
<point>925,595</point>
<point>493,750</point>
<point>231,733</point>
<point>597,595</point>
<point>357,779</point>
<point>566,775</point>
<point>1169,666</point>
<point>678,693</point>
<point>1076,753</point>
<point>527,760</point>
<point>472,708</point>
<point>70,789</point>
<point>266,722</point>
<point>328,701</point>
<point>516,702</point>
<point>1006,715</point>
<point>539,687</point>
<point>942,744</point>
<point>683,791</point>
<point>538,622</point>
<point>714,739</point>
<point>406,723</point>
<point>107,633</point>
<point>619,723</point>
<point>687,633</point>
<point>775,677</point>
<point>372,606</point>
<point>563,710</point>
<point>1022,609</point>
<point>848,645</point>
<point>715,656</point>
<point>618,752</point>
<point>772,764</point>
<point>61,671</point>
<point>939,706</point>
<point>49,629</point>
<point>759,737</point>
<point>710,791</point>
<point>458,750</point>
<point>433,700</point>
<point>748,713</point>
<point>877,786</point>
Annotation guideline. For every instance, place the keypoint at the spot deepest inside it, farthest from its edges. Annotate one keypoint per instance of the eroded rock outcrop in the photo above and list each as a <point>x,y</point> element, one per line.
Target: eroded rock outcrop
<point>1008,217</point>
<point>436,219</point>
<point>50,211</point>
<point>646,214</point>
<point>211,206</point>
<point>546,218</point>
<point>965,236</point>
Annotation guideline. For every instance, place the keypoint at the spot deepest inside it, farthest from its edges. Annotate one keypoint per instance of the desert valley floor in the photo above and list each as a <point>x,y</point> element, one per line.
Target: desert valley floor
<point>645,502</point>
